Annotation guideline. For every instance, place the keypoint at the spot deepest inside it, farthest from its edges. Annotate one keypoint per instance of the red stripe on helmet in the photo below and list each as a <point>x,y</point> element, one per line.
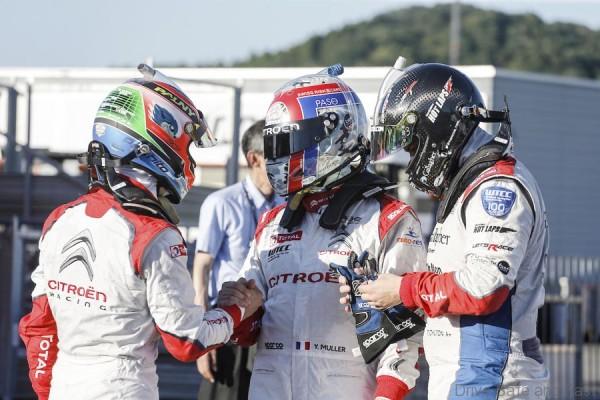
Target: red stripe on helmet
<point>295,172</point>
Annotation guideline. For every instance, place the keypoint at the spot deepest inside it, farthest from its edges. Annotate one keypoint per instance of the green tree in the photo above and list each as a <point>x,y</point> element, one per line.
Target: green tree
<point>520,42</point>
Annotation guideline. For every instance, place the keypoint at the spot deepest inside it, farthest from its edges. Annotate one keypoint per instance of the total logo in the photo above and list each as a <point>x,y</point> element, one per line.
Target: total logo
<point>42,361</point>
<point>434,297</point>
<point>286,237</point>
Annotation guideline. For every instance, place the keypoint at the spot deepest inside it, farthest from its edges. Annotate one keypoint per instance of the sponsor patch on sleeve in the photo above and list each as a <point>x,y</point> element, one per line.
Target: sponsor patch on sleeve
<point>178,250</point>
<point>497,200</point>
<point>410,238</point>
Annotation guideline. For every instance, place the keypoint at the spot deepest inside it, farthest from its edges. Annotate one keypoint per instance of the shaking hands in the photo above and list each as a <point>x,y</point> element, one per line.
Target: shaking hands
<point>243,293</point>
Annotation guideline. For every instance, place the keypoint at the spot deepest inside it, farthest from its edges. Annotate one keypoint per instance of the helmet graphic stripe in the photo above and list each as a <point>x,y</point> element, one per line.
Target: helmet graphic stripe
<point>311,156</point>
<point>296,174</point>
<point>141,136</point>
<point>173,97</point>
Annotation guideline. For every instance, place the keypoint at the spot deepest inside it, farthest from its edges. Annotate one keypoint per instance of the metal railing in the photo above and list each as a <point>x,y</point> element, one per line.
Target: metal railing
<point>569,327</point>
<point>568,324</point>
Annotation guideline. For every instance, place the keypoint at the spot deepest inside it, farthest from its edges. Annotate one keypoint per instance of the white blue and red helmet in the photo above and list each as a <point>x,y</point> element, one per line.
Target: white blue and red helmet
<point>315,132</point>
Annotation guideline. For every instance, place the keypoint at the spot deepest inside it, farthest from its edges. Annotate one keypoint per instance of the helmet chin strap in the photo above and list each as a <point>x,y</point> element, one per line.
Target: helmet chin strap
<point>155,193</point>
<point>167,207</point>
<point>141,201</point>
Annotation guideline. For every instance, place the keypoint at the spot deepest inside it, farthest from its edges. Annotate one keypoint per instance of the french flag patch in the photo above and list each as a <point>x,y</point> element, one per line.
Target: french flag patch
<point>300,345</point>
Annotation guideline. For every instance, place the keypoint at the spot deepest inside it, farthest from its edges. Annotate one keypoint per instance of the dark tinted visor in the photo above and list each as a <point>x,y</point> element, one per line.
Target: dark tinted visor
<point>290,137</point>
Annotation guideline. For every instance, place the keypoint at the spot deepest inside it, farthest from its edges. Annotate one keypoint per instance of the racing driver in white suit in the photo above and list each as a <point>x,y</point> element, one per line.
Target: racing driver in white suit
<point>486,257</point>
<point>307,349</point>
<point>112,275</point>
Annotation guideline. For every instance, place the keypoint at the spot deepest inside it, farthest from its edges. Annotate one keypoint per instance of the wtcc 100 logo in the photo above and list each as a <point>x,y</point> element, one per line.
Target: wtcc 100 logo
<point>497,200</point>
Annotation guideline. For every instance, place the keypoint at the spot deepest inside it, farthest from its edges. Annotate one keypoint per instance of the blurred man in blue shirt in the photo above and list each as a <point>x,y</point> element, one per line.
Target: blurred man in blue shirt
<point>228,218</point>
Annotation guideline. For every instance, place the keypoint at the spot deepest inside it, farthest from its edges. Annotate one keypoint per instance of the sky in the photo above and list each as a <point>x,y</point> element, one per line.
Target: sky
<point>99,33</point>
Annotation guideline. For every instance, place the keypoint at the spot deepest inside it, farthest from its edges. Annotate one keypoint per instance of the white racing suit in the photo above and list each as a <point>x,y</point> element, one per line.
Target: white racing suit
<point>483,291</point>
<point>110,283</point>
<point>306,343</point>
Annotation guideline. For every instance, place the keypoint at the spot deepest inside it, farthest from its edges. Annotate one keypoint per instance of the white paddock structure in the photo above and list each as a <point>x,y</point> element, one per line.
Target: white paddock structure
<point>556,124</point>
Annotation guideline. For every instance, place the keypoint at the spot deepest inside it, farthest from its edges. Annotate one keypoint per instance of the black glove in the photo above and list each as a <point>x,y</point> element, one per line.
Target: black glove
<point>225,365</point>
<point>375,329</point>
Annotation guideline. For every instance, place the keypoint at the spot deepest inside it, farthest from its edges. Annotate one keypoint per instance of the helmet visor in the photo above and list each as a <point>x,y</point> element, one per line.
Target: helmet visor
<point>389,139</point>
<point>283,139</point>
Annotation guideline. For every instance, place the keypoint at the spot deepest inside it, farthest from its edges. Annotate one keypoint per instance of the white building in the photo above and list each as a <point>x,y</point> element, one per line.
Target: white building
<point>556,125</point>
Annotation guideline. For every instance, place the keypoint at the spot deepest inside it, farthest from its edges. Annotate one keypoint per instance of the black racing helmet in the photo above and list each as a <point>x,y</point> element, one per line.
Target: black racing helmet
<point>430,110</point>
